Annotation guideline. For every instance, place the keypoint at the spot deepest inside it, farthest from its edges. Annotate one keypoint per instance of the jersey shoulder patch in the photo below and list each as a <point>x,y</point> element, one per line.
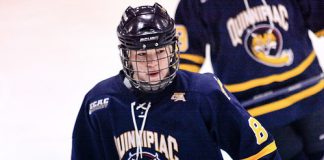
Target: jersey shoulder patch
<point>98,104</point>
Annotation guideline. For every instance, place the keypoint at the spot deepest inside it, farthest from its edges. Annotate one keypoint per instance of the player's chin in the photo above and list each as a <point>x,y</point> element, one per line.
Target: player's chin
<point>154,80</point>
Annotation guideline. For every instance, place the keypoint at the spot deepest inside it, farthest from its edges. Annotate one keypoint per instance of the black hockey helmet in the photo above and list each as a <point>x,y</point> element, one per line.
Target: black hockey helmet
<point>143,28</point>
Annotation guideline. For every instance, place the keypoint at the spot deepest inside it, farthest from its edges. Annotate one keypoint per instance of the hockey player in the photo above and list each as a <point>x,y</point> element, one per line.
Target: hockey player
<point>262,52</point>
<point>152,111</point>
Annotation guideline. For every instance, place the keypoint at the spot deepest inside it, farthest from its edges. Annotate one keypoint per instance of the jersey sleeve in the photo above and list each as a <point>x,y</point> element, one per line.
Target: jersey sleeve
<point>86,139</point>
<point>192,34</point>
<point>239,134</point>
<point>312,11</point>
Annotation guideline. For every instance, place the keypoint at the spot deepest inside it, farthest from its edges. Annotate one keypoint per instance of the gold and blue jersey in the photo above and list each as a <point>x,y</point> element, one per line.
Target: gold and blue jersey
<point>256,47</point>
<point>193,118</point>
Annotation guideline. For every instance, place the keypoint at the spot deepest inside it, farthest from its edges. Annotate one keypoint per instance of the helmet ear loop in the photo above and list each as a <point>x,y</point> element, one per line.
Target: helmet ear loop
<point>174,54</point>
<point>128,63</point>
<point>125,58</point>
<point>169,56</point>
<point>159,66</point>
<point>133,73</point>
<point>170,60</point>
<point>171,52</point>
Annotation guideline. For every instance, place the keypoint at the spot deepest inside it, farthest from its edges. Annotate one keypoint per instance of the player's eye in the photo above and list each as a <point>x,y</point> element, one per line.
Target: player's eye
<point>161,51</point>
<point>141,54</point>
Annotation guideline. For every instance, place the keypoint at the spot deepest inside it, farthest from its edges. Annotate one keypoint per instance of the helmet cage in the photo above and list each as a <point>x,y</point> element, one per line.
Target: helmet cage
<point>149,85</point>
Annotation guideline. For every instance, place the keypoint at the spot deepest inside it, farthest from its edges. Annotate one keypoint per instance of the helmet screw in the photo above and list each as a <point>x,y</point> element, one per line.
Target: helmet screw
<point>156,44</point>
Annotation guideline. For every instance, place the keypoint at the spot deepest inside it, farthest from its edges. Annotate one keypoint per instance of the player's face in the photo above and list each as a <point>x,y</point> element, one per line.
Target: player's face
<point>150,65</point>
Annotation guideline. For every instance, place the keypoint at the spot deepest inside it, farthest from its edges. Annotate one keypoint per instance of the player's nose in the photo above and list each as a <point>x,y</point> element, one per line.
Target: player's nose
<point>152,63</point>
<point>152,58</point>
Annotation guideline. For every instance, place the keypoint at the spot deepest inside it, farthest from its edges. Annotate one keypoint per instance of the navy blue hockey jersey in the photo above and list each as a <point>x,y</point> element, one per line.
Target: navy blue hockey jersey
<point>191,120</point>
<point>257,47</point>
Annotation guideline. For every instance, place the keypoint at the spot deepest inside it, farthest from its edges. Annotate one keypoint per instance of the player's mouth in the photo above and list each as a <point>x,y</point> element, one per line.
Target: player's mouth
<point>153,74</point>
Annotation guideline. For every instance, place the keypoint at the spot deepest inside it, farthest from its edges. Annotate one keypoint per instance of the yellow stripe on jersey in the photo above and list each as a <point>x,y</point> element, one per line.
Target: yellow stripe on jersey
<point>190,67</point>
<point>239,87</point>
<point>265,151</point>
<point>320,33</point>
<point>221,86</point>
<point>194,58</point>
<point>277,60</point>
<point>286,102</point>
